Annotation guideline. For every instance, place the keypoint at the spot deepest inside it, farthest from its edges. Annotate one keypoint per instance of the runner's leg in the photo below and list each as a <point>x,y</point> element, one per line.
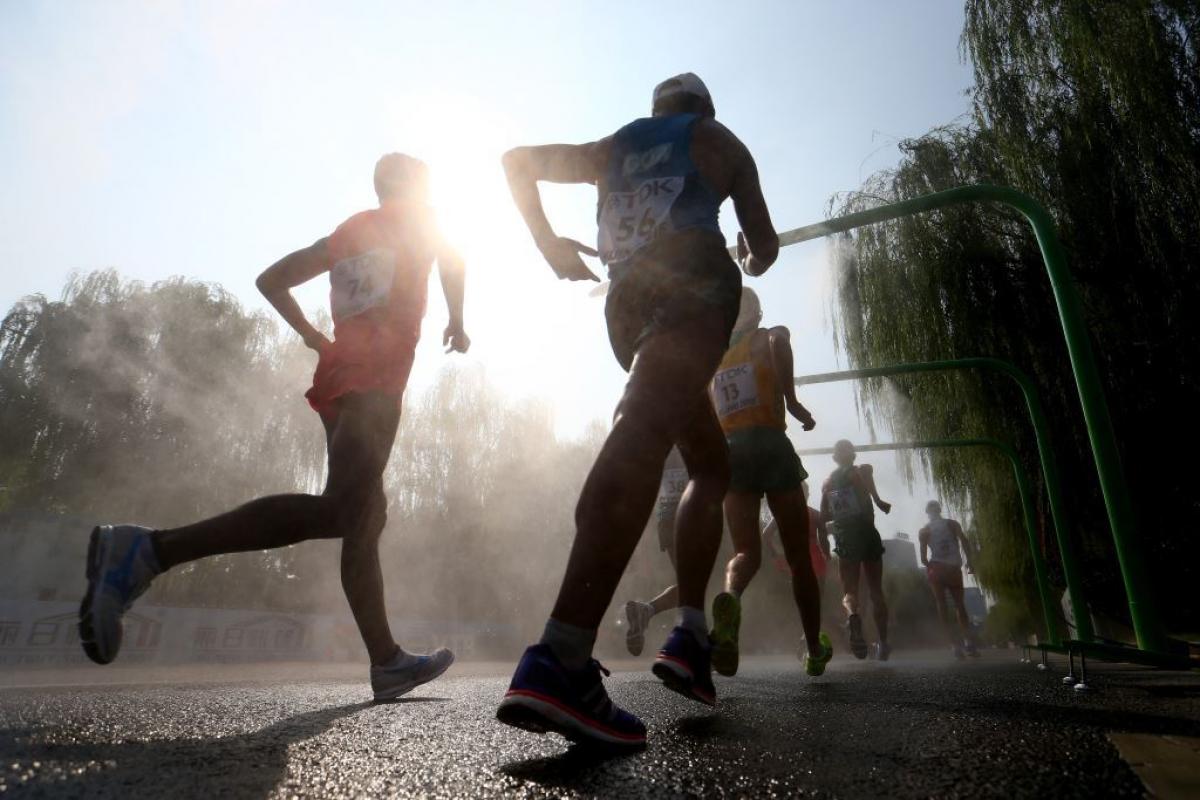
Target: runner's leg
<point>791,514</point>
<point>849,570</point>
<point>742,510</point>
<point>698,522</point>
<point>874,573</point>
<point>669,372</point>
<point>939,601</point>
<point>960,608</point>
<point>366,425</point>
<point>352,507</point>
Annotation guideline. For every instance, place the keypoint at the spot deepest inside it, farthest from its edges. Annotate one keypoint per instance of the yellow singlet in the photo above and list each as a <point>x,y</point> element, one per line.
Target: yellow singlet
<point>745,391</point>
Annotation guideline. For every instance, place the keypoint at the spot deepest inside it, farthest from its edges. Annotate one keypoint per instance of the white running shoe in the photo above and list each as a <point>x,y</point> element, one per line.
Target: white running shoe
<point>407,671</point>
<point>638,614</point>
<point>120,566</point>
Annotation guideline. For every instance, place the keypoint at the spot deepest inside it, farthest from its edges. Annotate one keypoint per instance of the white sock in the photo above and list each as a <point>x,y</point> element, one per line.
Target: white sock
<point>401,660</point>
<point>571,645</point>
<point>694,620</point>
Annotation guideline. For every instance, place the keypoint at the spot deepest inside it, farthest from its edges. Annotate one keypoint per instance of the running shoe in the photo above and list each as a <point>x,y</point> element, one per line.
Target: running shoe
<point>727,618</point>
<point>972,650</point>
<point>958,652</point>
<point>814,666</point>
<point>685,666</point>
<point>120,566</point>
<point>638,614</point>
<point>406,672</point>
<point>858,645</point>
<point>546,696</point>
<point>882,651</point>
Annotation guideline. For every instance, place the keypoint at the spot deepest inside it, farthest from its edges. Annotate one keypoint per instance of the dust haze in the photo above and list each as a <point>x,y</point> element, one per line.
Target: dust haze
<point>165,403</point>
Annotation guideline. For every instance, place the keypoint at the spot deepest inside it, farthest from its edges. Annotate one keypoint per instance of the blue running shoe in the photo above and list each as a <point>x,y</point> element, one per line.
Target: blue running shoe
<point>685,666</point>
<point>545,696</point>
<point>120,565</point>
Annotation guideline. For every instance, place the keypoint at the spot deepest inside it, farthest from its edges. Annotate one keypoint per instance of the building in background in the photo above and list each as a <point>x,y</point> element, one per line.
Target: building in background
<point>900,553</point>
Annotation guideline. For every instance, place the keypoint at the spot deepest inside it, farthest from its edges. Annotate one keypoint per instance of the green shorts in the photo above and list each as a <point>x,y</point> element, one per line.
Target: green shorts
<point>763,461</point>
<point>857,542</point>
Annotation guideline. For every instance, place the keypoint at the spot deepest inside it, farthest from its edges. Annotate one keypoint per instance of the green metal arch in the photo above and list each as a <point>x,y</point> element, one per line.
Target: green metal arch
<point>1146,621</point>
<point>1059,510</point>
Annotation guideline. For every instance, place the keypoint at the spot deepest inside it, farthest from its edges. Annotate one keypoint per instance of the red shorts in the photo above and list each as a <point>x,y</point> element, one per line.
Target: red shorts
<point>362,358</point>
<point>944,576</point>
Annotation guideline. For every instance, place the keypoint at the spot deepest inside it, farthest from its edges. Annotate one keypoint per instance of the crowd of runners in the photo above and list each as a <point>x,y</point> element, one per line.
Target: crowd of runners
<point>698,437</point>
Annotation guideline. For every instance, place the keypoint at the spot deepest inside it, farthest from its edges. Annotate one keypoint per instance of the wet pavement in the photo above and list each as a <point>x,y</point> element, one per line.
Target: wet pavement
<point>919,725</point>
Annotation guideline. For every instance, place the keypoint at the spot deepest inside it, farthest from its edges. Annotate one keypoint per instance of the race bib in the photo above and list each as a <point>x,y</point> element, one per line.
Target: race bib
<point>361,282</point>
<point>674,481</point>
<point>844,505</point>
<point>735,389</point>
<point>631,220</point>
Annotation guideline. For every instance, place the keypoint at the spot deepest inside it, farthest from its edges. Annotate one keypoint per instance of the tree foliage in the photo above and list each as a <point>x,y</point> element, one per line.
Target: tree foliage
<point>166,403</point>
<point>1093,108</point>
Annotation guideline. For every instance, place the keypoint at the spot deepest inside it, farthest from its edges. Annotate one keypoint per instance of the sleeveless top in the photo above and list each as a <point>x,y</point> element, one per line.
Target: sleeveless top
<point>943,544</point>
<point>652,188</point>
<point>849,504</point>
<point>745,390</point>
<point>379,278</point>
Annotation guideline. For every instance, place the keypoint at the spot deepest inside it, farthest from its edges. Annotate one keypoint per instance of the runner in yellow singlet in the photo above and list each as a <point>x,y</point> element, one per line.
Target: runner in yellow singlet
<point>752,390</point>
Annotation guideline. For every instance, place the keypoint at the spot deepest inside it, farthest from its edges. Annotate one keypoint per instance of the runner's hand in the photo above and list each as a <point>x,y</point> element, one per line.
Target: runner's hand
<point>455,338</point>
<point>316,341</point>
<point>885,507</point>
<point>562,254</point>
<point>748,263</point>
<point>802,414</point>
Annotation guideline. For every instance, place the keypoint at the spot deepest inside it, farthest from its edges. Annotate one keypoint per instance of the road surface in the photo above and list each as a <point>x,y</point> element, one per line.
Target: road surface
<point>920,725</point>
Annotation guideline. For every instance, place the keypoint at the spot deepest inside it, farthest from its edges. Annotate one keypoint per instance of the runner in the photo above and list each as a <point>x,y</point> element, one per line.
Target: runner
<point>379,263</point>
<point>670,490</point>
<point>846,502</point>
<point>942,545</point>
<point>671,305</point>
<point>753,386</point>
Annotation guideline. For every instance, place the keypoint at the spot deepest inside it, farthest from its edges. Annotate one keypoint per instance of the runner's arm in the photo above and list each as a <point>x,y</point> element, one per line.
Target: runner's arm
<point>966,546</point>
<point>452,272</point>
<point>823,536</point>
<point>779,340</point>
<point>867,472</point>
<point>758,243</point>
<point>557,163</point>
<point>277,281</point>
<point>923,538</point>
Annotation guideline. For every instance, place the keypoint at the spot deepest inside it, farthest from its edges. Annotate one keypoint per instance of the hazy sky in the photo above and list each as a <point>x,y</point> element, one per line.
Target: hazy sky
<point>208,139</point>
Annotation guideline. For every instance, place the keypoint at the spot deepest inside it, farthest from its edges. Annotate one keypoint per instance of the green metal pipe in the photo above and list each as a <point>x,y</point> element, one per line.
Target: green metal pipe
<point>1146,621</point>
<point>1049,605</point>
<point>1060,513</point>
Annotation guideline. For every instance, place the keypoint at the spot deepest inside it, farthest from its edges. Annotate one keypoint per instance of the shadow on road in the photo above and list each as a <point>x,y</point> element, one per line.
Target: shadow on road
<point>578,767</point>
<point>245,765</point>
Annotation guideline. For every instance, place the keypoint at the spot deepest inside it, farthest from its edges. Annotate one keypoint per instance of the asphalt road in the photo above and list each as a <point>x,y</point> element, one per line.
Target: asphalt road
<point>920,725</point>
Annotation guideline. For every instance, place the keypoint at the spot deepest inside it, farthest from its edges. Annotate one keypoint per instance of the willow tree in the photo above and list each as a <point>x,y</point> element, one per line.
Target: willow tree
<point>1093,108</point>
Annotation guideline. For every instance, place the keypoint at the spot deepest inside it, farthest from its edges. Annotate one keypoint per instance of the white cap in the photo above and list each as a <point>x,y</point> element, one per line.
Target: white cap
<point>685,83</point>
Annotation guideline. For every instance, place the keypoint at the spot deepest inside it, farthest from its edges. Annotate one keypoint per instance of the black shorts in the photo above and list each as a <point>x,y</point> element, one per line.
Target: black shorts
<point>763,461</point>
<point>668,284</point>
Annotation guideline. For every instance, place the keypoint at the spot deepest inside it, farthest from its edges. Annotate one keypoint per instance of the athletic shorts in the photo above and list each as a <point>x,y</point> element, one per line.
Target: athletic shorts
<point>763,461</point>
<point>944,576</point>
<point>670,283</point>
<point>857,543</point>
<point>362,358</point>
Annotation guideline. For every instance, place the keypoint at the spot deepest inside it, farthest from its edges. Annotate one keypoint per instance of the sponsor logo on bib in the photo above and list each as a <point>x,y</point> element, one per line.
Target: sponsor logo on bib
<point>361,282</point>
